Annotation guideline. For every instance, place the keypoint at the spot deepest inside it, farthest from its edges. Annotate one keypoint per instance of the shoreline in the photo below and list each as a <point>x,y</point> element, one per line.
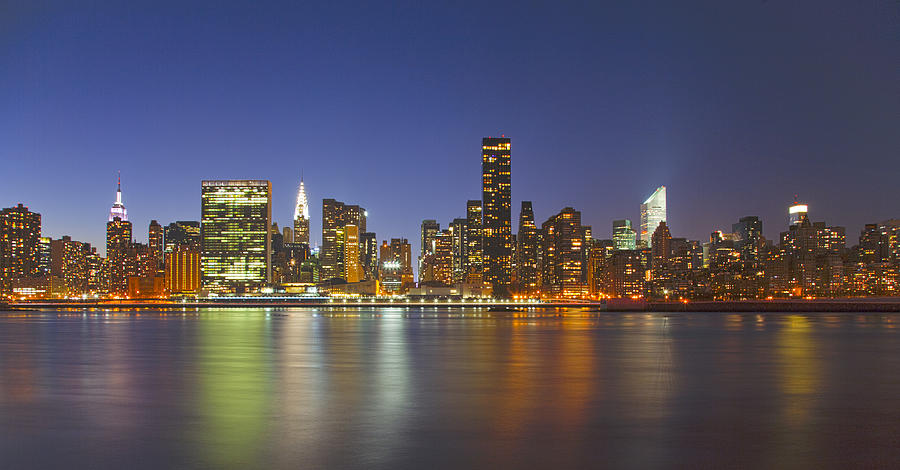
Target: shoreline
<point>873,305</point>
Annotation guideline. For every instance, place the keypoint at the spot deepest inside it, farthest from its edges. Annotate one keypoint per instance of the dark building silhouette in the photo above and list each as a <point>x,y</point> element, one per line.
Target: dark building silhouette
<point>497,213</point>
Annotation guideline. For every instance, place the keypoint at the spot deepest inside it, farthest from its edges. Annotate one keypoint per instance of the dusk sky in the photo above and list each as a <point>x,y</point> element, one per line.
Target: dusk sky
<point>735,106</point>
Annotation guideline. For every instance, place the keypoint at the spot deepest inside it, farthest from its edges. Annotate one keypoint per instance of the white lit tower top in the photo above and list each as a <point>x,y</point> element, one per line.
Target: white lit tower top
<point>798,212</point>
<point>301,216</point>
<point>118,208</point>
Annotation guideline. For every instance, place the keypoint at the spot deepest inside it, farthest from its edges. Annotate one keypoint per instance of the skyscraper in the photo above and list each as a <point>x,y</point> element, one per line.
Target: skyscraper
<point>335,217</point>
<point>352,270</point>
<point>368,254</point>
<point>118,241</point>
<point>497,215</point>
<point>429,229</point>
<point>563,248</point>
<point>527,249</point>
<point>749,239</point>
<point>70,264</point>
<point>155,240</point>
<point>653,211</point>
<point>301,217</point>
<point>458,231</point>
<point>437,264</point>
<point>660,249</point>
<point>624,237</point>
<point>236,239</point>
<point>20,245</point>
<point>396,266</point>
<point>474,253</point>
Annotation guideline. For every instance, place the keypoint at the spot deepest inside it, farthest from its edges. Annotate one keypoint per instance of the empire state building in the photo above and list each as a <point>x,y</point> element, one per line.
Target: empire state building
<point>118,208</point>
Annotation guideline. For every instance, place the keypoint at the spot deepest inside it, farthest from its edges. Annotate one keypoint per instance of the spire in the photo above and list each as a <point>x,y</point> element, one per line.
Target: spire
<point>302,208</point>
<point>118,208</point>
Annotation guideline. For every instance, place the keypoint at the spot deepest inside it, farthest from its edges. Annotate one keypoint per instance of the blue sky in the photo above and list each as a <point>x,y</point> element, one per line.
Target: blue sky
<point>734,106</point>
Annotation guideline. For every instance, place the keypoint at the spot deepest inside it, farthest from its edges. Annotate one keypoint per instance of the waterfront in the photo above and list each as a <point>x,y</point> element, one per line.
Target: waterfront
<point>447,388</point>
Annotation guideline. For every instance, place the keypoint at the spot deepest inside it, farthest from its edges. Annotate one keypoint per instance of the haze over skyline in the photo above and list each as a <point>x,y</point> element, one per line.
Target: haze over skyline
<point>734,108</point>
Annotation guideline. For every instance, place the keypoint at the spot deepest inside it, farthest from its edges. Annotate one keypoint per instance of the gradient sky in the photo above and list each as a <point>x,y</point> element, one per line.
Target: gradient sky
<point>735,106</point>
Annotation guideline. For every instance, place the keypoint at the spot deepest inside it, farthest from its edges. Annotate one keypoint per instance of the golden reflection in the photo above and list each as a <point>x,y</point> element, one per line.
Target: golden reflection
<point>234,388</point>
<point>798,377</point>
<point>799,367</point>
<point>576,366</point>
<point>518,382</point>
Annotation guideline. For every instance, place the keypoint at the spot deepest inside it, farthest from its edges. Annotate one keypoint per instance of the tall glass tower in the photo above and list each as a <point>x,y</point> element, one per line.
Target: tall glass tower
<point>653,211</point>
<point>497,212</point>
<point>235,235</point>
<point>623,235</point>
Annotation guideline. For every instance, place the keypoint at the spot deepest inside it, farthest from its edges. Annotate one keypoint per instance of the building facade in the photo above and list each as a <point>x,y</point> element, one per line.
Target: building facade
<point>335,217</point>
<point>563,255</point>
<point>20,246</point>
<point>624,235</point>
<point>528,275</point>
<point>118,241</point>
<point>236,242</point>
<point>474,251</point>
<point>497,213</point>
<point>653,211</point>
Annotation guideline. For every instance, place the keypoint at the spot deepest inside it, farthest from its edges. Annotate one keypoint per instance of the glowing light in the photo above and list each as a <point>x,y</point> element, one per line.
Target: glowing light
<point>797,208</point>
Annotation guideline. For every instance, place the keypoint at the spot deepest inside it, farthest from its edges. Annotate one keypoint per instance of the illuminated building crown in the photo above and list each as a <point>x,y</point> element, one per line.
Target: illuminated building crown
<point>302,209</point>
<point>118,208</point>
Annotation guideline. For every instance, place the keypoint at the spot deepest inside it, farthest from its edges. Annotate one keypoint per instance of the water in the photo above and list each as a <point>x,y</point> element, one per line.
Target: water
<point>428,388</point>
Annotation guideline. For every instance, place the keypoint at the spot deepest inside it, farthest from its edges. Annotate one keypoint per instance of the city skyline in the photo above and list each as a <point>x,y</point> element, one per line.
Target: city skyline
<point>119,207</point>
<point>732,127</point>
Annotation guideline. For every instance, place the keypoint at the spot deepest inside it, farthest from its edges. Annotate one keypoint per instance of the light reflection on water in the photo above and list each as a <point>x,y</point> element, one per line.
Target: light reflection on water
<point>438,388</point>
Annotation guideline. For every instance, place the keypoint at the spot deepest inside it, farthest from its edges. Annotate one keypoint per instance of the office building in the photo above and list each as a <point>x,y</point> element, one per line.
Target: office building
<point>458,232</point>
<point>353,271</point>
<point>368,245</point>
<point>395,262</point>
<point>46,255</point>
<point>155,241</point>
<point>653,211</point>
<point>429,229</point>
<point>335,217</point>
<point>749,240</point>
<point>624,235</point>
<point>236,242</point>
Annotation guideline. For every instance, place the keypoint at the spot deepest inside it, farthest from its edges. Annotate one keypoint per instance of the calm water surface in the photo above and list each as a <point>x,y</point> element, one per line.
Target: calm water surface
<point>397,388</point>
